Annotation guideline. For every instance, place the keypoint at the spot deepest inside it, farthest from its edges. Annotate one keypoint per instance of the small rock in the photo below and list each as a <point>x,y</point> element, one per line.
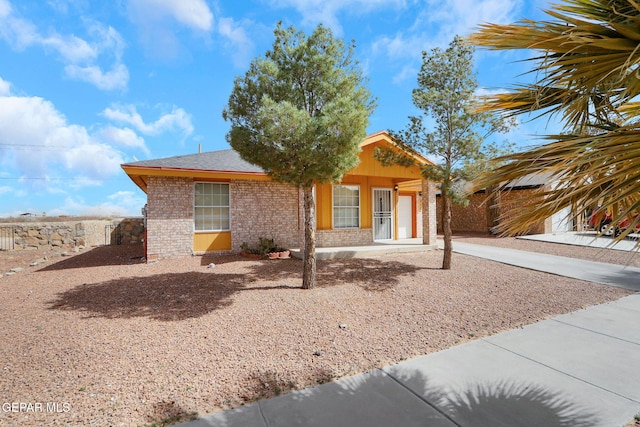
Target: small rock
<point>317,353</point>
<point>34,263</point>
<point>342,325</point>
<point>212,265</point>
<point>9,273</point>
<point>65,254</point>
<point>16,270</point>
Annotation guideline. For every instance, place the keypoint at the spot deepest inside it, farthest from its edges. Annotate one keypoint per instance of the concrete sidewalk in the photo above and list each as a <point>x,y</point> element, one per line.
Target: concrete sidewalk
<point>578,369</point>
<point>586,238</point>
<point>597,272</point>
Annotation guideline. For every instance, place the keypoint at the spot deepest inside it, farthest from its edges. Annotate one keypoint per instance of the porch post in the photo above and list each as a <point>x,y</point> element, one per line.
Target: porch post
<point>429,225</point>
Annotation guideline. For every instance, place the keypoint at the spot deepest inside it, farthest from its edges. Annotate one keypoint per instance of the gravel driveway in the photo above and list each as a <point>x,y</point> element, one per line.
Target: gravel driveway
<point>100,338</point>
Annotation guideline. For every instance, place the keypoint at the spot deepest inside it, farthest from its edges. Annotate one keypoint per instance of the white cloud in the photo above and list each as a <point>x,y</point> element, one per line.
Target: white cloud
<point>121,203</point>
<point>5,8</point>
<point>407,72</point>
<point>241,45</point>
<point>194,14</point>
<point>402,46</point>
<point>129,199</point>
<point>116,78</point>
<point>82,58</point>
<point>159,21</point>
<point>73,49</point>
<point>5,87</point>
<point>124,137</point>
<point>436,25</point>
<point>40,143</point>
<point>483,91</point>
<point>462,17</point>
<point>325,11</point>
<point>177,119</point>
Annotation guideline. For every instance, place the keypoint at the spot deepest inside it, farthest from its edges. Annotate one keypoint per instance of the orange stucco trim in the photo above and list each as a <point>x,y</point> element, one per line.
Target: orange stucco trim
<point>138,174</point>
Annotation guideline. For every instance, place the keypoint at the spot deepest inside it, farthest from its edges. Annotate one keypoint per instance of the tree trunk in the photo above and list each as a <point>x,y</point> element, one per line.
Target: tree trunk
<point>493,209</point>
<point>446,229</point>
<point>309,262</point>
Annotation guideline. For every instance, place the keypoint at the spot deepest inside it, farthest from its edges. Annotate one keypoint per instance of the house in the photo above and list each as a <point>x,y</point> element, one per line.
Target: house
<point>475,217</point>
<point>215,201</point>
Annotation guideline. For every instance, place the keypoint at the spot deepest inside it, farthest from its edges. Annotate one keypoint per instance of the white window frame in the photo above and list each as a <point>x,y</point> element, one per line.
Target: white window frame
<point>195,207</point>
<point>333,207</point>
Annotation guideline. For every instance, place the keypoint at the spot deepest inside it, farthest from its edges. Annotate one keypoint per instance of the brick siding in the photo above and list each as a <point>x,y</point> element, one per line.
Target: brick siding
<point>345,237</point>
<point>429,234</point>
<point>169,217</point>
<point>473,217</point>
<point>264,209</point>
<point>258,209</point>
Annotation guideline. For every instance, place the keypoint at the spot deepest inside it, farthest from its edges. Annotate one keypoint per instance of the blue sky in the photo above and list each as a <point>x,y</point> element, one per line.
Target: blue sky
<point>88,85</point>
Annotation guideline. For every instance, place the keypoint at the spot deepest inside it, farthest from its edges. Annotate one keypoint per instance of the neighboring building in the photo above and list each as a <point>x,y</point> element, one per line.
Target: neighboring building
<point>215,201</point>
<point>475,216</point>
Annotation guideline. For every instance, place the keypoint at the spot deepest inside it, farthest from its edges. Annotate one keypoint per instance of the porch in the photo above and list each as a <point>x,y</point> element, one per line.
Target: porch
<point>375,249</point>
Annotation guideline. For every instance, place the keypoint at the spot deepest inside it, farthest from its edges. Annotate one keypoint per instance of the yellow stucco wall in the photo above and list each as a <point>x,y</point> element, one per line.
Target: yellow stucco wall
<point>369,166</point>
<point>212,241</point>
<point>324,197</point>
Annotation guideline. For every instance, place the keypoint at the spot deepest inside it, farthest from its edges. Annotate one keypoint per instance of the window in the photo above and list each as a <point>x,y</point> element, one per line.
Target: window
<point>346,206</point>
<point>211,207</point>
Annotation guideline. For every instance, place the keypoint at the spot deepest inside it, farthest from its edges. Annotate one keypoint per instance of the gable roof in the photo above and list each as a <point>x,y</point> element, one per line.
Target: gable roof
<point>222,164</point>
<point>222,161</point>
<point>384,137</point>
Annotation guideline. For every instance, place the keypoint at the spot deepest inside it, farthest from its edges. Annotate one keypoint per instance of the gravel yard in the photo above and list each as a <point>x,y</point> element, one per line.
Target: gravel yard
<point>100,338</point>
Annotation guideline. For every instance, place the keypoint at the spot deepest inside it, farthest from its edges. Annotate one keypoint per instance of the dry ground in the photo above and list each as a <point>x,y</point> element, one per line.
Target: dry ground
<point>113,341</point>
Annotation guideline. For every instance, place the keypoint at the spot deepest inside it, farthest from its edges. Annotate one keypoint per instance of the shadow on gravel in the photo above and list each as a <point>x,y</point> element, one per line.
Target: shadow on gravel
<point>166,297</point>
<point>371,274</point>
<point>368,273</point>
<point>180,296</point>
<point>98,257</point>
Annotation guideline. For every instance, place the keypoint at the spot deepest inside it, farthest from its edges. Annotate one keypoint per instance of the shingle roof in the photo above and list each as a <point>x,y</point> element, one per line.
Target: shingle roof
<point>223,160</point>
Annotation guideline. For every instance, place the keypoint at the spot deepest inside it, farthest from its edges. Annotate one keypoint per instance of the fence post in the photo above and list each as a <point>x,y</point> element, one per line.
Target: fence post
<point>7,238</point>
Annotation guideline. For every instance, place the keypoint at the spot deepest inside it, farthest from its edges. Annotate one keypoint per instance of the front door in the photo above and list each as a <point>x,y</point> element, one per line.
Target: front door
<point>382,214</point>
<point>405,217</point>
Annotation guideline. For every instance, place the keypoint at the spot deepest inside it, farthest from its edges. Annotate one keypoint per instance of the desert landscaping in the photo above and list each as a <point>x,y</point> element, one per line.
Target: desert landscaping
<point>106,339</point>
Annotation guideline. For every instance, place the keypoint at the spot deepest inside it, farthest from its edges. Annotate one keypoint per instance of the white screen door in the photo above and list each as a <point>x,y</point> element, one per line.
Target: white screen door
<point>382,214</point>
<point>405,217</point>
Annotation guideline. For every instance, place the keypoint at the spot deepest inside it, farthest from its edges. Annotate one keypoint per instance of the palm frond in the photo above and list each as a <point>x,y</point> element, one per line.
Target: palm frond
<point>588,72</point>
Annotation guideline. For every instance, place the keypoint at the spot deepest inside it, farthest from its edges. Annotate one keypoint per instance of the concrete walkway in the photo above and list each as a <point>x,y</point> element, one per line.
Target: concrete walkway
<point>597,272</point>
<point>587,238</point>
<point>578,369</point>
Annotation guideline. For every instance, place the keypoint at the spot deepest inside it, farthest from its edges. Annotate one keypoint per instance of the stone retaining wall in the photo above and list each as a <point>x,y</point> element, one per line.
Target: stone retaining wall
<point>69,234</point>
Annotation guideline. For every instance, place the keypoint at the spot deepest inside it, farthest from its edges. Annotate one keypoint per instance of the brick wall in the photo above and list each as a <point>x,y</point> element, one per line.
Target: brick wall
<point>429,233</point>
<point>510,201</point>
<point>473,217</point>
<point>264,209</point>
<point>346,237</point>
<point>466,218</point>
<point>169,216</point>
